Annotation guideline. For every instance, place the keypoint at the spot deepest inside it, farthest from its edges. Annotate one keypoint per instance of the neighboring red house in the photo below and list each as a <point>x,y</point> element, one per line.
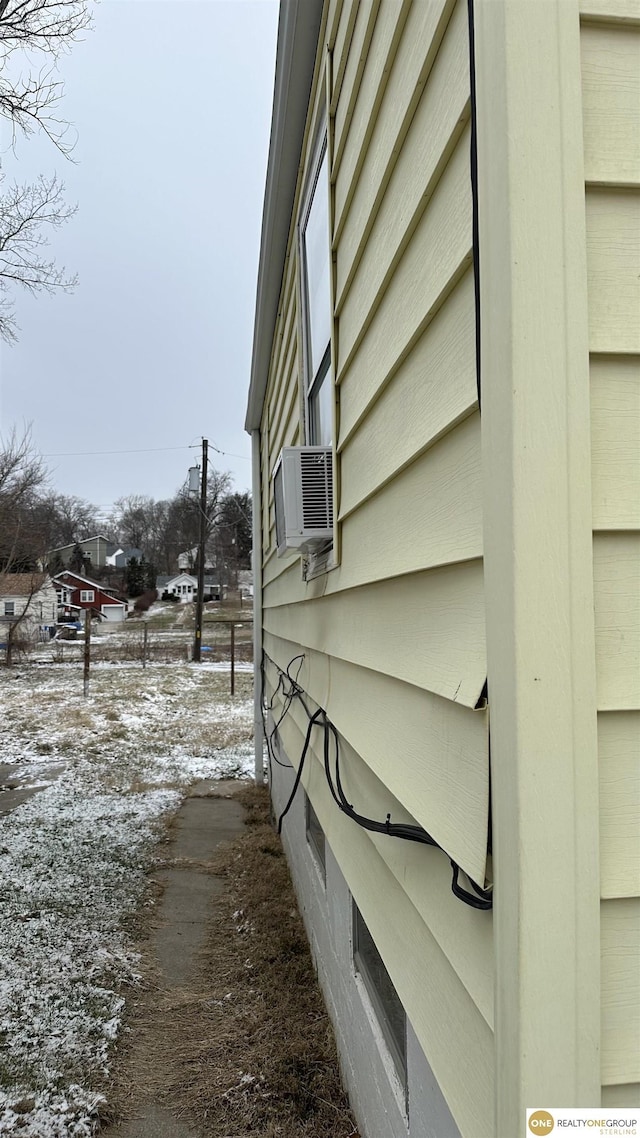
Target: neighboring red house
<point>88,594</point>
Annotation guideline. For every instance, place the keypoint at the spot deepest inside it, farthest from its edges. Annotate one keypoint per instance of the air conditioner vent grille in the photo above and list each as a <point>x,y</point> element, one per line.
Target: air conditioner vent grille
<point>317,490</point>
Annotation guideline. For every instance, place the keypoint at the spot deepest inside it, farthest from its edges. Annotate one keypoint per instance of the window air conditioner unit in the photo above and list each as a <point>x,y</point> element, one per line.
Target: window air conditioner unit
<point>303,492</point>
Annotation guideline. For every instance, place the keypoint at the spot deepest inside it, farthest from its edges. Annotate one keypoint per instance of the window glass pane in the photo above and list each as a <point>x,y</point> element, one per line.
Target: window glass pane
<point>315,834</point>
<point>317,265</point>
<point>321,409</point>
<point>386,1002</point>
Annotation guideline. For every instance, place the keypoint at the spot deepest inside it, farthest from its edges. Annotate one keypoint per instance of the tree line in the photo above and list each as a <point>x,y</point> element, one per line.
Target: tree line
<point>36,521</point>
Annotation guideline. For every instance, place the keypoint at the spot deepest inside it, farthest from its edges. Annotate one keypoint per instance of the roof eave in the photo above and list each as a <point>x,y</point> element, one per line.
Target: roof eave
<point>298,29</point>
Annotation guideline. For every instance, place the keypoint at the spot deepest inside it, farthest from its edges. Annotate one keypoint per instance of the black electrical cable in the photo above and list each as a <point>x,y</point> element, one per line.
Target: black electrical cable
<point>480,898</point>
<point>474,192</point>
<point>314,719</point>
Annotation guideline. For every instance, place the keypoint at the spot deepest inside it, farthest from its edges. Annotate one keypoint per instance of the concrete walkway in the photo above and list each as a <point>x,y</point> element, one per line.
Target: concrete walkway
<point>209,816</point>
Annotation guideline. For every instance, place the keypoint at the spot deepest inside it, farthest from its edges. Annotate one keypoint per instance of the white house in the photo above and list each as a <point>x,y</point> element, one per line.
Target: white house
<point>28,603</point>
<point>185,586</point>
<point>447,585</point>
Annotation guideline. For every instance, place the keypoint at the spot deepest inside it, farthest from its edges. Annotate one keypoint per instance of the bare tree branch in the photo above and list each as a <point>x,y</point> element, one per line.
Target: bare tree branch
<point>25,212</point>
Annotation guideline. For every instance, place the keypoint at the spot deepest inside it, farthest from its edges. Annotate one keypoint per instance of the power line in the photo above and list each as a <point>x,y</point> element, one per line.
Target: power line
<point>86,453</point>
<point>140,450</point>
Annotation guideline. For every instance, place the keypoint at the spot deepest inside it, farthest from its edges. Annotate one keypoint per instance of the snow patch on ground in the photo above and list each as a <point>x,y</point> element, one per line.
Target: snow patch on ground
<point>74,859</point>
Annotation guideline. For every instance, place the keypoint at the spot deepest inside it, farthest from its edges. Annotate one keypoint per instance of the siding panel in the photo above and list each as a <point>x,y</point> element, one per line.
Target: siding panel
<point>427,516</point>
<point>619,765</point>
<point>615,442</point>
<point>438,248</point>
<point>426,629</point>
<point>342,109</point>
<point>464,935</point>
<point>384,45</point>
<point>621,991</point>
<point>616,568</point>
<point>433,388</point>
<point>408,161</point>
<point>449,798</point>
<point>611,104</point>
<point>613,255</point>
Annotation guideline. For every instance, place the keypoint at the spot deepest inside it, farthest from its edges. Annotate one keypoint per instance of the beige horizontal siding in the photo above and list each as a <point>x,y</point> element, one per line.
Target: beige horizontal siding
<point>620,939</point>
<point>611,11</point>
<point>615,442</point>
<point>613,255</point>
<point>412,128</point>
<point>449,1025</point>
<point>429,515</point>
<point>433,389</point>
<point>386,37</point>
<point>343,101</point>
<point>610,47</point>
<point>625,1095</point>
<point>611,104</point>
<point>464,935</point>
<point>340,49</point>
<point>619,767</point>
<point>426,628</point>
<point>377,327</point>
<point>403,735</point>
<point>616,569</point>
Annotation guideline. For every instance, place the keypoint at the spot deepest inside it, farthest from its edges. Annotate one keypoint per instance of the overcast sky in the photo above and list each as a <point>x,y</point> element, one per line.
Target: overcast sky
<point>171,100</point>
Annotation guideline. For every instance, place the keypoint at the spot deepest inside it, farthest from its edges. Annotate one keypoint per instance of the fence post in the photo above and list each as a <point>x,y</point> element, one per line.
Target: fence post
<point>144,645</point>
<point>233,658</point>
<point>87,651</point>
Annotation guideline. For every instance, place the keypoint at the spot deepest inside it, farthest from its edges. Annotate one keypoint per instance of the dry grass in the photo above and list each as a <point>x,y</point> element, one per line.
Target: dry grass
<point>248,1049</point>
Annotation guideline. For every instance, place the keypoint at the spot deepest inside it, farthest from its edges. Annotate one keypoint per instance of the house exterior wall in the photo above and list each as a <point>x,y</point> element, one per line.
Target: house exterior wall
<point>112,608</point>
<point>463,548</point>
<point>610,57</point>
<point>326,911</point>
<point>93,547</point>
<point>42,609</point>
<point>400,619</point>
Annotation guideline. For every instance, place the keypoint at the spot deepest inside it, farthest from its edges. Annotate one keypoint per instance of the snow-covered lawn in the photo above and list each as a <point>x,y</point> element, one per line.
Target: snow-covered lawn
<point>73,860</point>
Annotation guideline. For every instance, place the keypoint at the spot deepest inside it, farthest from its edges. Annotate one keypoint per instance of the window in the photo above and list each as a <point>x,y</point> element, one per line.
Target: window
<point>87,596</point>
<point>9,608</point>
<point>315,836</point>
<point>384,998</point>
<point>315,259</point>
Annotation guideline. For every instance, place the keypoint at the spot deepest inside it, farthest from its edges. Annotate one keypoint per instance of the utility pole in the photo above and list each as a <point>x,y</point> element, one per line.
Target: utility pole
<point>197,644</point>
<point>87,651</point>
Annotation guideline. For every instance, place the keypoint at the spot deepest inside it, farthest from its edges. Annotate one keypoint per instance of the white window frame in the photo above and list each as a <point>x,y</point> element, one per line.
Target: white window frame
<point>9,608</point>
<point>87,596</point>
<point>319,563</point>
<point>313,380</point>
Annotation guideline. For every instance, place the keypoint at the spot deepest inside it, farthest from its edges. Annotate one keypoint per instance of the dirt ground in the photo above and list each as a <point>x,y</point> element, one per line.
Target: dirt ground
<point>245,1049</point>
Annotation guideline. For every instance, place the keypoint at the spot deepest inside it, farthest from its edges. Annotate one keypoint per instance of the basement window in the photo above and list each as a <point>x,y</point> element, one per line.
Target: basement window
<point>385,1001</point>
<point>315,836</point>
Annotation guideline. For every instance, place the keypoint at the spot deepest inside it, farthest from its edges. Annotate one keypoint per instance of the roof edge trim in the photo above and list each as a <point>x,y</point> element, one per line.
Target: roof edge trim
<point>298,30</point>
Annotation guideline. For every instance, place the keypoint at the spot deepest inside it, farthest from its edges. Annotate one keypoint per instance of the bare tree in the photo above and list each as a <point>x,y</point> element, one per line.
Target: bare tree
<point>36,30</point>
<point>69,519</point>
<point>24,212</point>
<point>22,476</point>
